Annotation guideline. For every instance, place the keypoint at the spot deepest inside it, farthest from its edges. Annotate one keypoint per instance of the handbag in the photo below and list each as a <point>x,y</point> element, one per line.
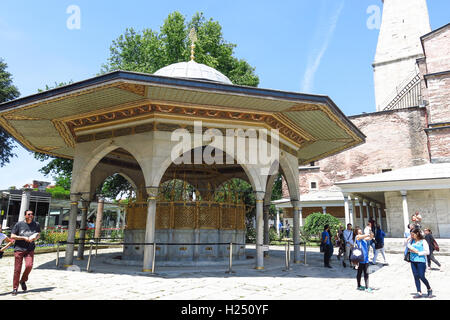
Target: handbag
<point>322,247</point>
<point>435,245</point>
<point>407,256</point>
<point>356,256</point>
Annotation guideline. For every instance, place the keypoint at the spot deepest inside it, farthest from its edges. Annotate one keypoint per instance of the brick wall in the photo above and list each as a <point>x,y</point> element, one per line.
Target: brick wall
<point>437,51</point>
<point>439,98</point>
<point>395,139</point>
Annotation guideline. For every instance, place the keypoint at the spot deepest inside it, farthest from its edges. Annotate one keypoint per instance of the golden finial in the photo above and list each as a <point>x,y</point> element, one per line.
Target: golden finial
<point>193,38</point>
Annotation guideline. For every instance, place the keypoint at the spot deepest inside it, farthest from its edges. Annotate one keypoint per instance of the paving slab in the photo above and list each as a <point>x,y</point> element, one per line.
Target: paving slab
<point>302,282</point>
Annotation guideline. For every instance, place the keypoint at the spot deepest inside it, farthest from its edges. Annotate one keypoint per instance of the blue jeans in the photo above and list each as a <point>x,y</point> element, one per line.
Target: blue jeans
<point>418,270</point>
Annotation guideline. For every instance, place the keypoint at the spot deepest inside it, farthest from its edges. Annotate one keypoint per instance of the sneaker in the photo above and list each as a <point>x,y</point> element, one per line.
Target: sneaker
<point>14,292</point>
<point>330,267</point>
<point>24,286</point>
<point>344,264</point>
<point>361,288</point>
<point>372,263</point>
<point>418,295</point>
<point>430,294</point>
<point>369,290</point>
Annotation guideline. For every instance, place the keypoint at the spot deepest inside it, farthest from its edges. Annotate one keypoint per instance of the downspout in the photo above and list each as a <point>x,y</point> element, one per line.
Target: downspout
<point>426,132</point>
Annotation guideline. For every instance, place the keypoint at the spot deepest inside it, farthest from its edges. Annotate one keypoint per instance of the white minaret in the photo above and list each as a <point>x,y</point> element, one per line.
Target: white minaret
<point>399,46</point>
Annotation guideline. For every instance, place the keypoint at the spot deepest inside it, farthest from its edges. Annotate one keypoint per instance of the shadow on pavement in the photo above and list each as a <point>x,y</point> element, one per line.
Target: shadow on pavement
<point>29,291</point>
<point>274,267</point>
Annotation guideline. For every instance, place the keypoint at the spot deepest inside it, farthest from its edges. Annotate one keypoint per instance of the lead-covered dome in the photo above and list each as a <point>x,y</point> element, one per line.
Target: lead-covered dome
<point>193,70</point>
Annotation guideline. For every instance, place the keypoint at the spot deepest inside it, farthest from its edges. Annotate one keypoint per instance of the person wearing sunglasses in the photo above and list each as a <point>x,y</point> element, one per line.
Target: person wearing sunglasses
<point>25,233</point>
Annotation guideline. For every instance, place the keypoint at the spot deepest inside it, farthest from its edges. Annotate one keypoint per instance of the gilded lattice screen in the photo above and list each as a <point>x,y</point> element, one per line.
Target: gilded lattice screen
<point>189,215</point>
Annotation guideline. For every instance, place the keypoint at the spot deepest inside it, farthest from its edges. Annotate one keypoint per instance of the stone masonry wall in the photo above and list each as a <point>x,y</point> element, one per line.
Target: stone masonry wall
<point>437,51</point>
<point>439,98</point>
<point>432,204</point>
<point>395,139</point>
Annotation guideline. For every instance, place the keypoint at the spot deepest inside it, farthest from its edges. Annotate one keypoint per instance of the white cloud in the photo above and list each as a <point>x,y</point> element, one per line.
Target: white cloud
<point>316,58</point>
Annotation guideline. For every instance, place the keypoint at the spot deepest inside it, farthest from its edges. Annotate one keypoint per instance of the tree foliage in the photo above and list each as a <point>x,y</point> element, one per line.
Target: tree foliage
<point>314,224</point>
<point>7,92</point>
<point>148,51</point>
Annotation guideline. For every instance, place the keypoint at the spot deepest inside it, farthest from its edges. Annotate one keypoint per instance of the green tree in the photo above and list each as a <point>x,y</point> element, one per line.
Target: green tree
<point>314,224</point>
<point>7,92</point>
<point>148,51</point>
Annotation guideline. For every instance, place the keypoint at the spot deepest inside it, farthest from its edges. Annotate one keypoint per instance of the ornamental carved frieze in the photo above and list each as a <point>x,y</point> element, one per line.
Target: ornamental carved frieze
<point>148,111</point>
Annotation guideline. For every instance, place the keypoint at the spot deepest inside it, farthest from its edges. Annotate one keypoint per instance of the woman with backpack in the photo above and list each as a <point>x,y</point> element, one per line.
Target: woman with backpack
<point>419,249</point>
<point>361,241</point>
<point>432,245</point>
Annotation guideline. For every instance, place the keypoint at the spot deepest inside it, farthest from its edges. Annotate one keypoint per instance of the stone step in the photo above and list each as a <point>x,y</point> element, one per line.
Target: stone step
<point>397,245</point>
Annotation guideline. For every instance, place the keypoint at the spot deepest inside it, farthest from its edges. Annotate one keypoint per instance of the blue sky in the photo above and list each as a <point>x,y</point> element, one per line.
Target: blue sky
<point>320,46</point>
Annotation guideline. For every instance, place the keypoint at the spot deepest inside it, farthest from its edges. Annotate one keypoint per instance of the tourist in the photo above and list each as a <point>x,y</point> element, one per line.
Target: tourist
<point>361,240</point>
<point>431,245</point>
<point>367,231</point>
<point>348,240</point>
<point>417,219</point>
<point>90,224</point>
<point>287,228</point>
<point>379,245</point>
<point>328,246</point>
<point>419,249</point>
<point>25,233</point>
<point>340,243</point>
<point>4,237</point>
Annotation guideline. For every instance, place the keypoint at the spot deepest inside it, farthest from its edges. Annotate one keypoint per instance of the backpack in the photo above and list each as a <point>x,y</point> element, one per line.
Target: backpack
<point>356,255</point>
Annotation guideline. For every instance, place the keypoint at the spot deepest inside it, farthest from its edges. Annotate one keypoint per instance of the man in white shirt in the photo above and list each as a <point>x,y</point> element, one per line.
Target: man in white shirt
<point>348,238</point>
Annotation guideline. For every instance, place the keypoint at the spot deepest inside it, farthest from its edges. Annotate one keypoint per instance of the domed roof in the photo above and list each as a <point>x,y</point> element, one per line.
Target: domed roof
<point>192,70</point>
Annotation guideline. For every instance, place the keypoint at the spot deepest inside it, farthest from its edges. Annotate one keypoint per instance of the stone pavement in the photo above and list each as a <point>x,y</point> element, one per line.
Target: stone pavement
<point>311,282</point>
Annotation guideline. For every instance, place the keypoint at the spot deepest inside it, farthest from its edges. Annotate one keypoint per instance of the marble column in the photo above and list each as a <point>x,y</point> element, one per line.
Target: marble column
<point>301,216</point>
<point>266,227</point>
<point>25,204</point>
<point>367,210</point>
<point>278,222</point>
<point>324,210</point>
<point>353,216</point>
<point>150,229</point>
<point>361,214</point>
<point>346,209</point>
<point>405,209</point>
<point>99,218</point>
<point>259,195</point>
<point>74,198</point>
<point>380,217</point>
<point>296,234</point>
<point>374,215</point>
<point>83,225</point>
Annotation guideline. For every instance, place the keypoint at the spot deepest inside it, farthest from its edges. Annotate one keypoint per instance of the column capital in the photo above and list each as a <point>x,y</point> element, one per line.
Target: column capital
<point>75,197</point>
<point>378,205</point>
<point>364,202</point>
<point>152,192</point>
<point>296,204</point>
<point>259,195</point>
<point>403,193</point>
<point>372,204</point>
